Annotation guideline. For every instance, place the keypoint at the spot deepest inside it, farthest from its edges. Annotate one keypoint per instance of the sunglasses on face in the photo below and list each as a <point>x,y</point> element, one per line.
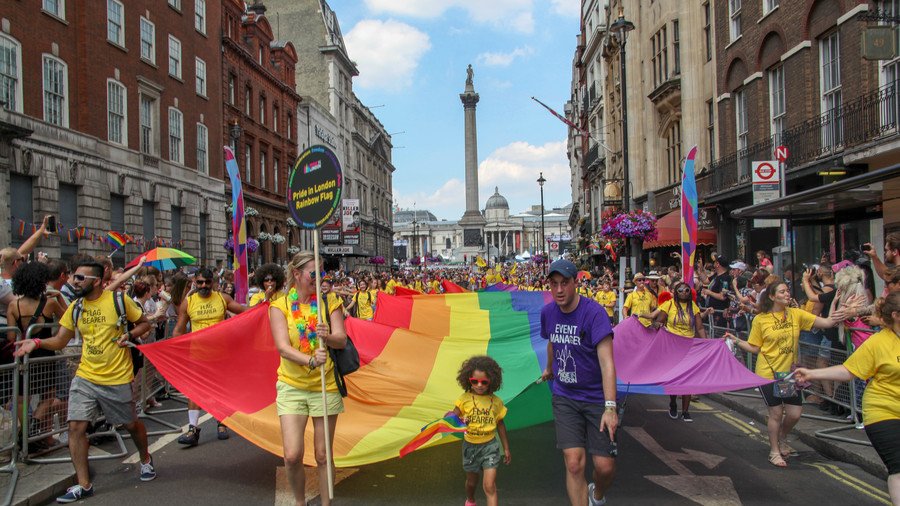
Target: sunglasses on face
<point>268,279</point>
<point>202,282</point>
<point>82,277</point>
<point>684,290</point>
<point>476,381</point>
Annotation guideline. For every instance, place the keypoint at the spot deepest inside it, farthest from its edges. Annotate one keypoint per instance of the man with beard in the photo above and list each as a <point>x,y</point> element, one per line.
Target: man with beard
<point>103,379</point>
<point>203,308</point>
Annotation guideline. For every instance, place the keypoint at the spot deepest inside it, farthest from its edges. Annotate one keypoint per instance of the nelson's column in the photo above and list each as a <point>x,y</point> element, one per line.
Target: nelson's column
<point>472,222</point>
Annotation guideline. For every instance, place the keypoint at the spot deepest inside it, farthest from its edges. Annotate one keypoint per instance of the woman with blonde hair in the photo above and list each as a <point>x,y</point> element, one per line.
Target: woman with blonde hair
<point>298,330</point>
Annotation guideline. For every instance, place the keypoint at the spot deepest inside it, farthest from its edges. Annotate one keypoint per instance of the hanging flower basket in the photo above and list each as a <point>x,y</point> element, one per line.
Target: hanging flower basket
<point>414,261</point>
<point>634,225</point>
<point>252,245</point>
<point>277,239</point>
<point>291,222</point>
<point>293,250</point>
<point>538,259</point>
<point>263,236</point>
<point>379,260</point>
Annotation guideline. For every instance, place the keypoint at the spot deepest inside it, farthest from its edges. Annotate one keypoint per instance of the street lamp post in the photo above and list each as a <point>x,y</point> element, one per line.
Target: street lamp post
<point>541,182</point>
<point>621,27</point>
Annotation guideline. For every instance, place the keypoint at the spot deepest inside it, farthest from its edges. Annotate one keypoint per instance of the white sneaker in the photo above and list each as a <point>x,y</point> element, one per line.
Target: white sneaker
<point>591,500</point>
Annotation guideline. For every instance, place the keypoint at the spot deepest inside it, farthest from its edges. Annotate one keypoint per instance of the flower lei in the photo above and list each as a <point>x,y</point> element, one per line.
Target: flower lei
<point>306,324</point>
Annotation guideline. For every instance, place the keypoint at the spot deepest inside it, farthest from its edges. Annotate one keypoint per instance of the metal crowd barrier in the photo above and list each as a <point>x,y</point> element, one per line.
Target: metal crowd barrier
<point>9,419</point>
<point>153,384</point>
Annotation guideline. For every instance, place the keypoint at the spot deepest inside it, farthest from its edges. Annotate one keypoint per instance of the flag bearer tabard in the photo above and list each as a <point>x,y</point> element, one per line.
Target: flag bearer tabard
<point>314,194</point>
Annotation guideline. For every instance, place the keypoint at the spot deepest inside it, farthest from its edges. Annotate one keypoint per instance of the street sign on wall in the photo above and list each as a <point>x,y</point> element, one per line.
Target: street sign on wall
<point>765,188</point>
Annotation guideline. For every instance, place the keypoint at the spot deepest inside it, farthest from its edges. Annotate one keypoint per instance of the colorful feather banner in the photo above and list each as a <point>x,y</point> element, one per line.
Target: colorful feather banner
<point>238,230</point>
<point>689,218</point>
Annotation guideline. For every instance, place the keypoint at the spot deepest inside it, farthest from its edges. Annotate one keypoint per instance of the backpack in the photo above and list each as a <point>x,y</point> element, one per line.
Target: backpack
<point>122,323</point>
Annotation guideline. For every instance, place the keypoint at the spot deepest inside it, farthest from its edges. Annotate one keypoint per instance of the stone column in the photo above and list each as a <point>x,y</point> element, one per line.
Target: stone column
<point>472,221</point>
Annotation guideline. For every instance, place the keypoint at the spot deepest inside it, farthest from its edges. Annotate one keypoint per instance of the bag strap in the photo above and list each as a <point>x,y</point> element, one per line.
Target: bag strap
<point>77,309</point>
<point>38,312</point>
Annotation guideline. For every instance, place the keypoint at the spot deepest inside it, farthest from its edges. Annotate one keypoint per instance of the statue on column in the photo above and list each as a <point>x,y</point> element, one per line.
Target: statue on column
<point>470,74</point>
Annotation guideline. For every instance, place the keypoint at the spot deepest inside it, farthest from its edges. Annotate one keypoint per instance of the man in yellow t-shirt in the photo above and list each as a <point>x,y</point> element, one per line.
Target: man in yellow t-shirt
<point>606,297</point>
<point>103,379</point>
<point>203,308</point>
<point>640,302</point>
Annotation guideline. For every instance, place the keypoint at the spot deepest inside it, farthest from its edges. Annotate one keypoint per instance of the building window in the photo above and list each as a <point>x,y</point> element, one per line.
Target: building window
<point>276,166</point>
<point>55,7</point>
<point>115,22</point>
<point>660,60</point>
<point>174,57</point>
<point>149,219</point>
<point>743,133</point>
<point>707,31</point>
<point>673,152</point>
<point>67,198</point>
<point>676,48</point>
<point>262,167</point>
<point>116,107</point>
<point>21,205</point>
<point>777,105</point>
<point>176,4</point>
<point>149,119</point>
<point>830,79</point>
<point>177,212</point>
<point>56,106</point>
<point>248,97</point>
<point>248,163</point>
<point>202,149</point>
<point>734,25</point>
<point>890,72</point>
<point>10,73</point>
<point>148,40</point>
<point>117,212</point>
<point>290,126</point>
<point>262,54</point>
<point>262,110</point>
<point>200,16</point>
<point>201,77</point>
<point>176,135</point>
<point>711,129</point>
<point>275,117</point>
<point>769,6</point>
<point>231,80</point>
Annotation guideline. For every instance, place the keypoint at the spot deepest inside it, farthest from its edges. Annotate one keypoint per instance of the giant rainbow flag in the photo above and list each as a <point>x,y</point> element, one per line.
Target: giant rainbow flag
<point>238,230</point>
<point>410,354</point>
<point>688,218</point>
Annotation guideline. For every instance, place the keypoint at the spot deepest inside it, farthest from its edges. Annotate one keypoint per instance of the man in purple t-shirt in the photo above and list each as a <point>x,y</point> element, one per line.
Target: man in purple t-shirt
<point>580,363</point>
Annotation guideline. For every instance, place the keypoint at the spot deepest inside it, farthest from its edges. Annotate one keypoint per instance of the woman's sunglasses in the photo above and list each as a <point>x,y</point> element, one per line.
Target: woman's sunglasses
<point>476,381</point>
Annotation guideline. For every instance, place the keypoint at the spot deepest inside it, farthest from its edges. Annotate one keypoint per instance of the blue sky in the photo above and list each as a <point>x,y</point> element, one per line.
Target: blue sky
<point>412,57</point>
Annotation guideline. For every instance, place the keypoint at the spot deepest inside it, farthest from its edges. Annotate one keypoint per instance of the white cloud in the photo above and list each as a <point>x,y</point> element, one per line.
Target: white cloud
<point>446,202</point>
<point>515,14</point>
<point>568,8</point>
<point>386,52</point>
<point>504,59</point>
<point>515,168</point>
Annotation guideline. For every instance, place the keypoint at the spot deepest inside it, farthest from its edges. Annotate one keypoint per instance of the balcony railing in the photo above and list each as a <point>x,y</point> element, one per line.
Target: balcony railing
<point>593,155</point>
<point>865,120</point>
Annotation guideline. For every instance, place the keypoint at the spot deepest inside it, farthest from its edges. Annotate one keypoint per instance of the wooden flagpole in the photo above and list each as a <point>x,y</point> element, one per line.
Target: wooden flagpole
<point>321,317</point>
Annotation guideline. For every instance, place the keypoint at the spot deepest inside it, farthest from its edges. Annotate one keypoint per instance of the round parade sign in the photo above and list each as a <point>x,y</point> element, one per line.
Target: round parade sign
<point>314,187</point>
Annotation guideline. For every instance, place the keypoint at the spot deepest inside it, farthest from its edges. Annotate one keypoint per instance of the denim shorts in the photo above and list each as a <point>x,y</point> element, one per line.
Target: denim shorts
<point>476,457</point>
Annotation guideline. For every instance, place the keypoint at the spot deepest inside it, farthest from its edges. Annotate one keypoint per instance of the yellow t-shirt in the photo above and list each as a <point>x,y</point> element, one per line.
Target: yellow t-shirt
<point>481,414</point>
<point>365,304</point>
<point>777,336</point>
<point>260,297</point>
<point>878,358</point>
<point>391,284</point>
<point>606,298</point>
<point>300,375</point>
<point>205,312</point>
<point>103,362</point>
<point>679,323</point>
<point>641,302</point>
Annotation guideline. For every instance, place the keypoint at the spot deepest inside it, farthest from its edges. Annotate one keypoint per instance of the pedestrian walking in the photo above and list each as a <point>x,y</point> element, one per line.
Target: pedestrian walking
<point>580,365</point>
<point>297,330</point>
<point>103,379</point>
<point>483,412</point>
<point>775,336</point>
<point>203,308</point>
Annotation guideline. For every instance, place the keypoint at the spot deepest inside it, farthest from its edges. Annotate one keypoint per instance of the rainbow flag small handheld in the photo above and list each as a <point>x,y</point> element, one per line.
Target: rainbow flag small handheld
<point>116,239</point>
<point>450,424</point>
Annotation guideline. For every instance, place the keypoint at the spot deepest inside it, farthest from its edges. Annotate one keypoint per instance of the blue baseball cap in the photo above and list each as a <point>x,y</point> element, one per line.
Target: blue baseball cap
<point>564,267</point>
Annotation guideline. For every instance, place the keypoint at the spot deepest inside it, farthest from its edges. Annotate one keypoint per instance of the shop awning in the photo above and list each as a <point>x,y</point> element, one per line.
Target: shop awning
<point>825,202</point>
<point>669,227</point>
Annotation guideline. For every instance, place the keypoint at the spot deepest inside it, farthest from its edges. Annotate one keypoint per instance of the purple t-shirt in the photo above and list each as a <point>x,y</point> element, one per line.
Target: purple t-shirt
<point>575,337</point>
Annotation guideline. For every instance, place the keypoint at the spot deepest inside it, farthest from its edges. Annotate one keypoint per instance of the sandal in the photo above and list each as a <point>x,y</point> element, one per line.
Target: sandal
<point>777,460</point>
<point>787,450</point>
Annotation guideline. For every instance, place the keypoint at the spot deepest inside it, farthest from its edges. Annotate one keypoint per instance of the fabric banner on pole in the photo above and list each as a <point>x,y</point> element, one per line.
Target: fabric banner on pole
<point>688,218</point>
<point>238,230</point>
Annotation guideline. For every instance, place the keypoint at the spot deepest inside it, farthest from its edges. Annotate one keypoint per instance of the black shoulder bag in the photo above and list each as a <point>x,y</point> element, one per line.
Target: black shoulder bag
<point>346,360</point>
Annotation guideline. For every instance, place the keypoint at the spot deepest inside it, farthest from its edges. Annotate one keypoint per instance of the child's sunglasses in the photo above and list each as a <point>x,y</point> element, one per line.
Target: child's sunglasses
<point>476,381</point>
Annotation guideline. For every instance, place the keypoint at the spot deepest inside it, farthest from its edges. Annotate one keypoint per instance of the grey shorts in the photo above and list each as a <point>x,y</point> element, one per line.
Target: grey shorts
<point>578,426</point>
<point>476,457</point>
<point>87,400</point>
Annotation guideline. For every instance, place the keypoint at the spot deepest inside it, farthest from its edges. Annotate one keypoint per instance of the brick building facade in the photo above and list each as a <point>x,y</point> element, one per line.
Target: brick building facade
<point>107,121</point>
<point>260,123</point>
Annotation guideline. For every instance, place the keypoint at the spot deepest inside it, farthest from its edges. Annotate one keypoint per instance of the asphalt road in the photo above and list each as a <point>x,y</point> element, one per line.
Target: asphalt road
<point>720,459</point>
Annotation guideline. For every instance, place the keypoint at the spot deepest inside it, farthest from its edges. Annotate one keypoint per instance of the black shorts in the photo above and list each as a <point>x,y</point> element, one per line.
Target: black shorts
<point>885,438</point>
<point>578,426</point>
<point>768,395</point>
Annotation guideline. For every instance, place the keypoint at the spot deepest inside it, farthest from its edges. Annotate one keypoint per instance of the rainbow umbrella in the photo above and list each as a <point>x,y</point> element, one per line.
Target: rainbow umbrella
<point>164,259</point>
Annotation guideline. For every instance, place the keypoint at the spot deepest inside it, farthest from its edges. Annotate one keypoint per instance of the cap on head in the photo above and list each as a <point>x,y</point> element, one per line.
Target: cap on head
<point>564,267</point>
<point>653,275</point>
<point>738,265</point>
